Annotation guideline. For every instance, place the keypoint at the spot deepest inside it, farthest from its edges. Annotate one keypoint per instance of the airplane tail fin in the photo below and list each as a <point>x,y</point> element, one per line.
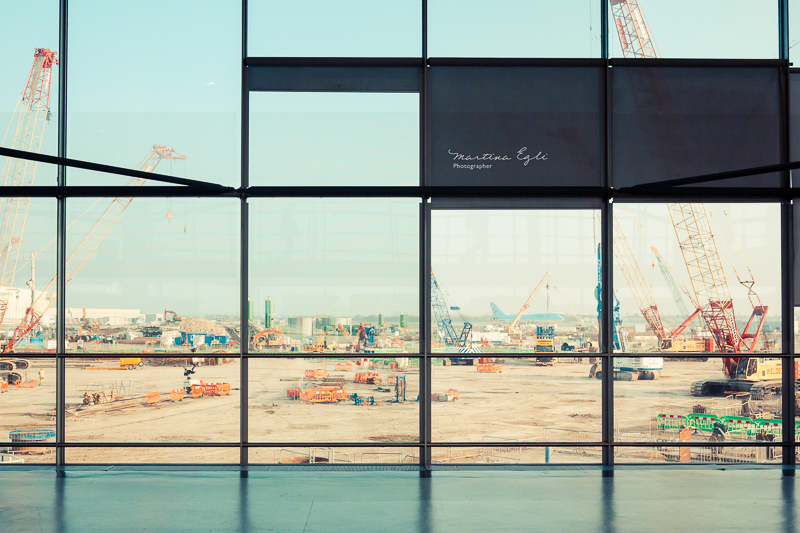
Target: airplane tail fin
<point>496,312</point>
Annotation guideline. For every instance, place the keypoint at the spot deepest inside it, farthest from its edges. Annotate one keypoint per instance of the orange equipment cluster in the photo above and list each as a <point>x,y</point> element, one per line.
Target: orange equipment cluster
<point>322,395</point>
<point>365,377</point>
<point>316,373</point>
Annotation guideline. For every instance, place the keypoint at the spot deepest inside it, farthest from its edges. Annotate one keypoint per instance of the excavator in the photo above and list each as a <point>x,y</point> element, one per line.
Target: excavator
<point>269,338</point>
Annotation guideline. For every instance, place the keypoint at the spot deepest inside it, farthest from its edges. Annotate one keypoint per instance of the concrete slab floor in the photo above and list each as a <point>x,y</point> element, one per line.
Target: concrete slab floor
<point>639,499</point>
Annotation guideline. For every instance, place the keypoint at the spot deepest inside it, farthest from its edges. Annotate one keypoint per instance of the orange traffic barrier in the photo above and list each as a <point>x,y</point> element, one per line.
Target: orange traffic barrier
<point>364,377</point>
<point>316,373</point>
<point>26,384</point>
<point>152,397</point>
<point>323,395</point>
<point>490,368</point>
<point>4,386</point>
<point>216,389</point>
<point>177,394</point>
<point>197,391</point>
<point>344,365</point>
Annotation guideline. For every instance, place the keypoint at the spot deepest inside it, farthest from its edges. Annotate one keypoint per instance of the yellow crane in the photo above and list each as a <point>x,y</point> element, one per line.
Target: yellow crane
<point>515,322</point>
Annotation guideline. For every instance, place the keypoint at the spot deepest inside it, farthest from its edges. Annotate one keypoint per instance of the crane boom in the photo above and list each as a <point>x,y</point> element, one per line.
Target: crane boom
<point>28,126</point>
<point>634,36</point>
<point>443,320</point>
<point>638,285</point>
<point>515,322</point>
<point>89,244</point>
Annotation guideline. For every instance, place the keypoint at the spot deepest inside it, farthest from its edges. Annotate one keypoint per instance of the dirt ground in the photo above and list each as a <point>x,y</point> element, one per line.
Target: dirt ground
<point>522,402</point>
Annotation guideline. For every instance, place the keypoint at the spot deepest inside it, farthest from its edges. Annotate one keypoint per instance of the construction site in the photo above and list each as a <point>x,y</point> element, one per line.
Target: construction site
<point>700,373</point>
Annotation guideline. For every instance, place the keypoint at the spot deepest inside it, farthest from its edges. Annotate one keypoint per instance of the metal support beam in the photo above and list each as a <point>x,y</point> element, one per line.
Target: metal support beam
<point>61,237</point>
<point>787,332</point>
<point>244,290</point>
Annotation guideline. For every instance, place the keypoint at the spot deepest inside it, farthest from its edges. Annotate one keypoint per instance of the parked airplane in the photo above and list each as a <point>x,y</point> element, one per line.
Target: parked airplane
<point>498,314</point>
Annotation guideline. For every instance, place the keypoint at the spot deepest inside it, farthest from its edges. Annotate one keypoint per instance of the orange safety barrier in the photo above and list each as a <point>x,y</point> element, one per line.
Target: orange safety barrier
<point>4,386</point>
<point>177,394</point>
<point>293,393</point>
<point>453,393</point>
<point>152,397</point>
<point>316,373</point>
<point>197,390</point>
<point>323,395</point>
<point>490,368</point>
<point>364,377</point>
<point>216,389</point>
<point>26,384</point>
<point>344,365</point>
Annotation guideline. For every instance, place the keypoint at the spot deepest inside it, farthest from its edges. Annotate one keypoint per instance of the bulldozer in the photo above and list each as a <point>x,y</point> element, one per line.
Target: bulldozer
<point>757,375</point>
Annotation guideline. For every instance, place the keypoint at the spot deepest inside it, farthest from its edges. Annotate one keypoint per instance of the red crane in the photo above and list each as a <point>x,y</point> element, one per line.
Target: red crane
<point>642,293</point>
<point>88,245</point>
<point>691,223</point>
<point>27,123</point>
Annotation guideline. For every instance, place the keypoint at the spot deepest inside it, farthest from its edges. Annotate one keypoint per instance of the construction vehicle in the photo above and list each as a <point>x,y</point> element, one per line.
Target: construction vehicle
<point>318,346</point>
<point>545,336</point>
<point>27,124</point>
<point>269,338</point>
<point>698,247</point>
<point>175,317</point>
<point>87,246</point>
<point>445,325</point>
<point>758,376</point>
<point>625,368</point>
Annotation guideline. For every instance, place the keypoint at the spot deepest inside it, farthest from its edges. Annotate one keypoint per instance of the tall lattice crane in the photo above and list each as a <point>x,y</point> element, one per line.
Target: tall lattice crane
<point>709,282</point>
<point>691,223</point>
<point>443,320</point>
<point>634,36</point>
<point>27,124</point>
<point>89,244</point>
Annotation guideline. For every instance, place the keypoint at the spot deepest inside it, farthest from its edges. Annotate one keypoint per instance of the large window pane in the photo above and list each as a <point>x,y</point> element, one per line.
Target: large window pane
<point>675,122</point>
<point>317,28</point>
<point>318,264</point>
<point>709,29</point>
<point>334,400</point>
<point>724,259</point>
<point>27,409</point>
<point>152,399</point>
<point>515,126</point>
<point>134,92</point>
<point>695,402</point>
<point>28,268</point>
<point>152,274</point>
<point>499,401</point>
<point>334,139</point>
<point>29,92</point>
<point>490,266</point>
<point>513,28</point>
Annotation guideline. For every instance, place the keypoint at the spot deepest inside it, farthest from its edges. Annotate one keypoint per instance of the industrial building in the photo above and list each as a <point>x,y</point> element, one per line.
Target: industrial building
<point>374,176</point>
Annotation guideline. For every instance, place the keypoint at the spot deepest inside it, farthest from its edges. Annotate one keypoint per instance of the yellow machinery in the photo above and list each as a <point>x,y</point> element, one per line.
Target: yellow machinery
<point>756,375</point>
<point>129,363</point>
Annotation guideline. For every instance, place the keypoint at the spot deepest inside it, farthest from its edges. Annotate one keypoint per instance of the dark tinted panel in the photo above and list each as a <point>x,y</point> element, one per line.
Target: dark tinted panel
<point>515,126</point>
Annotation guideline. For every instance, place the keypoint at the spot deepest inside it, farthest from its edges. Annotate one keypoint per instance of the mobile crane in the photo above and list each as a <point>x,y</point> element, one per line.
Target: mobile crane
<point>742,374</point>
<point>87,246</point>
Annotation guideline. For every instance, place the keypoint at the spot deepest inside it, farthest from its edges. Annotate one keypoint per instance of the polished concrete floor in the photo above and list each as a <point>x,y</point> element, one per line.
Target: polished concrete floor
<point>635,499</point>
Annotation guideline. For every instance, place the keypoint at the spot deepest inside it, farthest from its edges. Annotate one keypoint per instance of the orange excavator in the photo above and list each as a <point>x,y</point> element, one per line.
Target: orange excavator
<point>269,338</point>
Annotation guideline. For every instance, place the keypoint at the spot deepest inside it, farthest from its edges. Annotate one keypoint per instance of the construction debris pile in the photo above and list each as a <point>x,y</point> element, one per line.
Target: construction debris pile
<point>201,325</point>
